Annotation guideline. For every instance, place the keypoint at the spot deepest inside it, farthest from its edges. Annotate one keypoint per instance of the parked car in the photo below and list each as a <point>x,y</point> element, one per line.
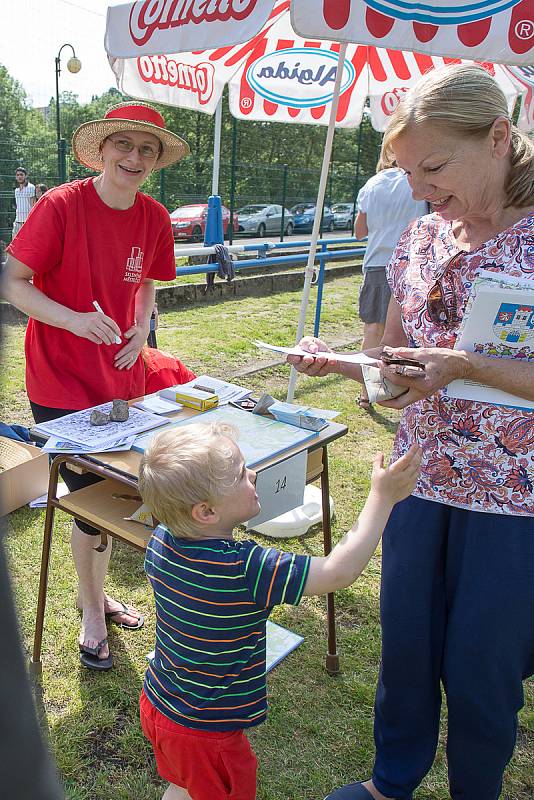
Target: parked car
<point>262,218</point>
<point>304,215</point>
<point>343,216</point>
<point>189,222</point>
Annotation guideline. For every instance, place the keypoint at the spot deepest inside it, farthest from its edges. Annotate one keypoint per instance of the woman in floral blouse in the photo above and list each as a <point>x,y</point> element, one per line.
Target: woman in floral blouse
<point>457,600</point>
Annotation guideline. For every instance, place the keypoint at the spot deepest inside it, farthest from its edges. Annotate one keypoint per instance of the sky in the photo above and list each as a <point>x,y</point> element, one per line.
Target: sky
<point>33,32</point>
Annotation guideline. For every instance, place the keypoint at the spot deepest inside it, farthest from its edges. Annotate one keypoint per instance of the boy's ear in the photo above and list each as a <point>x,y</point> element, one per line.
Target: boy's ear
<point>204,514</point>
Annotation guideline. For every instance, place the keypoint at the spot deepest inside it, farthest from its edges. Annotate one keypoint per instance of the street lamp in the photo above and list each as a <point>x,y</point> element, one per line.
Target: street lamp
<point>73,65</point>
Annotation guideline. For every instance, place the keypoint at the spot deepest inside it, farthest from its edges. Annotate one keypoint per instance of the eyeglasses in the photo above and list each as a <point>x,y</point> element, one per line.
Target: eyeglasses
<point>441,303</point>
<point>126,146</point>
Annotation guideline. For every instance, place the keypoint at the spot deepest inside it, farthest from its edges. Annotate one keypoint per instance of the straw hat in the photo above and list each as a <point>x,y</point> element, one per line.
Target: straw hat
<point>88,138</point>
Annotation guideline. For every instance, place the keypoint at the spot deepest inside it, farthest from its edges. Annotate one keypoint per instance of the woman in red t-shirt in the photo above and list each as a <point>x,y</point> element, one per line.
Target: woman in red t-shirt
<point>96,243</point>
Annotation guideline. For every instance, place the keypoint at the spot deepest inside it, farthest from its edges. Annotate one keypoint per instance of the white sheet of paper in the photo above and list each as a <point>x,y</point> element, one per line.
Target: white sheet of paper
<point>349,358</point>
<point>76,427</point>
<point>56,444</point>
<point>41,501</point>
<point>158,405</point>
<point>280,488</point>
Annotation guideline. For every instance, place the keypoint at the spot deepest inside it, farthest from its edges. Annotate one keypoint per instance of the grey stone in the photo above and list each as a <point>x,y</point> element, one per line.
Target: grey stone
<point>99,418</point>
<point>120,411</point>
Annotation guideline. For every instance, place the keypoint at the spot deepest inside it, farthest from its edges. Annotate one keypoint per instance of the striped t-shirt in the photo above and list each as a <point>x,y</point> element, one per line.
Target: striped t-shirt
<point>23,197</point>
<point>213,598</point>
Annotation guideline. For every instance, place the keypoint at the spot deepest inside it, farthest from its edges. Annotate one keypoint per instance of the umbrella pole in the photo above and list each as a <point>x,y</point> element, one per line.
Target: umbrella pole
<point>217,148</point>
<point>310,269</point>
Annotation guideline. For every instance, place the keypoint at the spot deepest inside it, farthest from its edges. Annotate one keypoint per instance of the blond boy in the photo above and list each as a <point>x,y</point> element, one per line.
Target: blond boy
<point>206,683</point>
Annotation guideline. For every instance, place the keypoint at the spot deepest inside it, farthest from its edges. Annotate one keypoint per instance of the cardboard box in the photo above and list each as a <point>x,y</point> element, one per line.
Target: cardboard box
<point>23,474</point>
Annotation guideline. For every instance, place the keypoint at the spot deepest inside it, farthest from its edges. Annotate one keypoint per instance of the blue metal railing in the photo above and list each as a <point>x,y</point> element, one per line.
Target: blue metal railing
<point>322,255</point>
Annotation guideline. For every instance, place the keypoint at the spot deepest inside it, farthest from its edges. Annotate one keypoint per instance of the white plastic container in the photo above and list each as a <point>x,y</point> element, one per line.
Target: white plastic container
<point>299,520</point>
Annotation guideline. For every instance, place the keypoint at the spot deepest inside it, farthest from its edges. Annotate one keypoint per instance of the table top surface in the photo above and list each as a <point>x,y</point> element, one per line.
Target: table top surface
<point>128,461</point>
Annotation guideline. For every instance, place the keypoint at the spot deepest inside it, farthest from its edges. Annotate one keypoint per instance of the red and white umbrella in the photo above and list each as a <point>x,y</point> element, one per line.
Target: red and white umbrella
<point>488,30</point>
<point>492,30</point>
<point>281,77</point>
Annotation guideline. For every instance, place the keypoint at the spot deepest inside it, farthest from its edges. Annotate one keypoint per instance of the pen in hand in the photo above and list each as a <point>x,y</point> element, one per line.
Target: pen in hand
<point>100,311</point>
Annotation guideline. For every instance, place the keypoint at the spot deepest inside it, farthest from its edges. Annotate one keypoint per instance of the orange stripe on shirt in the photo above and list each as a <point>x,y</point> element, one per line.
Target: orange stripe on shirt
<point>198,599</point>
<point>210,641</point>
<point>275,570</point>
<point>195,560</point>
<point>211,674</point>
<point>202,708</point>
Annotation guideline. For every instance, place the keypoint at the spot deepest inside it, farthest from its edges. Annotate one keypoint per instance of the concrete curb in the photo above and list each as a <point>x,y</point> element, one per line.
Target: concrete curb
<point>188,294</point>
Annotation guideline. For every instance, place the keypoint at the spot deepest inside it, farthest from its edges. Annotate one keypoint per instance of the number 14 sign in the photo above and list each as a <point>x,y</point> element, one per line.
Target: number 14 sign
<point>280,488</point>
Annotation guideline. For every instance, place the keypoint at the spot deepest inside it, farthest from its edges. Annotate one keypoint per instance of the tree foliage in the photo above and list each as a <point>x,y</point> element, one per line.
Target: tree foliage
<point>269,155</point>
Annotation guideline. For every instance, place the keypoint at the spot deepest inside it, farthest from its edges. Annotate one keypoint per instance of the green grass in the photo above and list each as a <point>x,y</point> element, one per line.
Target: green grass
<point>319,731</point>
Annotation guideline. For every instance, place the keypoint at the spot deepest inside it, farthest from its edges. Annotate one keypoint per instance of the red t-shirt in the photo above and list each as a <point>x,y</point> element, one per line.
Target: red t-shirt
<point>82,250</point>
<point>162,370</point>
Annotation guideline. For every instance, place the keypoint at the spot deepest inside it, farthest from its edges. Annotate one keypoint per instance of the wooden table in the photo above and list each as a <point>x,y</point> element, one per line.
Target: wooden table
<point>105,504</point>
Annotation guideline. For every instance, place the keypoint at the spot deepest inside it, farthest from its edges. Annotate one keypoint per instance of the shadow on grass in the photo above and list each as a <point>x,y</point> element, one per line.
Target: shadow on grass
<point>103,733</point>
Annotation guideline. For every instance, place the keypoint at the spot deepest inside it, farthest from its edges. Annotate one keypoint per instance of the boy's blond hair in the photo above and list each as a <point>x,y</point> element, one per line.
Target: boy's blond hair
<point>184,466</point>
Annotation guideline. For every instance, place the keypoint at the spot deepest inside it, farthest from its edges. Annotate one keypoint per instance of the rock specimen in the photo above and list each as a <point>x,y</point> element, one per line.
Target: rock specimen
<point>120,411</point>
<point>99,418</point>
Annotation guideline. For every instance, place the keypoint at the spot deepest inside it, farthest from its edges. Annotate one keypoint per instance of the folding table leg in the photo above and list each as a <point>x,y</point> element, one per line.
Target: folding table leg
<point>332,658</point>
<point>35,664</point>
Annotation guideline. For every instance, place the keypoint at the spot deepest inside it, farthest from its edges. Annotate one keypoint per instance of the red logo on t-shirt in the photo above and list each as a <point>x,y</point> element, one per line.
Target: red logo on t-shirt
<point>134,266</point>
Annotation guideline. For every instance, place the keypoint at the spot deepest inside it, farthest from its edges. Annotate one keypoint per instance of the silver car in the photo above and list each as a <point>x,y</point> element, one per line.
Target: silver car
<point>343,216</point>
<point>261,218</point>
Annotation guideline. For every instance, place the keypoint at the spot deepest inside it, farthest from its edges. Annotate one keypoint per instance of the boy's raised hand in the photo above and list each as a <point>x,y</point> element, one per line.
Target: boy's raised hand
<point>398,480</point>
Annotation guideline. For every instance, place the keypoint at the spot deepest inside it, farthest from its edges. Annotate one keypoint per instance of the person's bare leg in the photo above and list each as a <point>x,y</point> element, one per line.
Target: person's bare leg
<point>176,793</point>
<point>372,336</point>
<point>91,567</point>
<point>369,785</point>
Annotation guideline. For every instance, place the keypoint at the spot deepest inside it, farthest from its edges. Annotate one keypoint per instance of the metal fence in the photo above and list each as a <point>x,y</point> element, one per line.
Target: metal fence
<point>240,182</point>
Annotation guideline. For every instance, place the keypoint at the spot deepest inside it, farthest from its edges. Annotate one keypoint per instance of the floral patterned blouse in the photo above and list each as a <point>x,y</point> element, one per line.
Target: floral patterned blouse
<point>476,455</point>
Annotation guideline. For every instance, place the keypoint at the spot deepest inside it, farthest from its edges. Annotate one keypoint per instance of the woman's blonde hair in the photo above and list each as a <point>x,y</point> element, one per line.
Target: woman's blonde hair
<point>386,159</point>
<point>465,100</point>
<point>184,466</point>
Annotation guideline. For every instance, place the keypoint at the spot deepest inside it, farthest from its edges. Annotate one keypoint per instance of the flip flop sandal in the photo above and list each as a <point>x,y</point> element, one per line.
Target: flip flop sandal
<point>89,657</point>
<point>131,613</point>
<point>351,791</point>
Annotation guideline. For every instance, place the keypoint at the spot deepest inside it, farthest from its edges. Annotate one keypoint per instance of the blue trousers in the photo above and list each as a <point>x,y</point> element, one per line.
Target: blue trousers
<point>457,608</point>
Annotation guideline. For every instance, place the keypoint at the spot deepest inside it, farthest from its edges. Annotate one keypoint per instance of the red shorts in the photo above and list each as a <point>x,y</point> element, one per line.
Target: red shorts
<point>210,765</point>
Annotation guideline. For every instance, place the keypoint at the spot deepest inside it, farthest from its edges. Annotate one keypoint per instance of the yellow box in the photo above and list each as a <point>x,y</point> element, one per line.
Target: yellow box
<point>23,474</point>
<point>190,397</point>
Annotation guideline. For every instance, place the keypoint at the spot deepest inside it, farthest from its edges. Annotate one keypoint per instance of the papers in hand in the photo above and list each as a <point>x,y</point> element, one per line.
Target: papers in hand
<point>349,358</point>
<point>499,323</point>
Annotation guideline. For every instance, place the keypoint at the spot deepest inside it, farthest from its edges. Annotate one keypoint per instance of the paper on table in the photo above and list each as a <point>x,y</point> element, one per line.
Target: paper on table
<point>76,427</point>
<point>158,405</point>
<point>349,358</point>
<point>226,392</point>
<point>294,408</point>
<point>56,444</point>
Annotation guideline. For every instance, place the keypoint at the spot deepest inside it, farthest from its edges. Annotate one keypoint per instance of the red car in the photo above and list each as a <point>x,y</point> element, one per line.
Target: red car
<point>189,222</point>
